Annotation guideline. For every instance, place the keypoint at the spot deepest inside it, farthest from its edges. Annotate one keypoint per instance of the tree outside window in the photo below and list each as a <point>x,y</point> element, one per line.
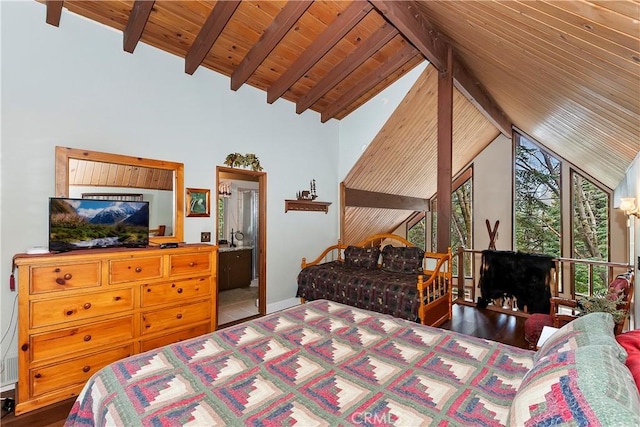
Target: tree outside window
<point>590,232</point>
<point>461,221</point>
<point>537,200</point>
<point>538,215</point>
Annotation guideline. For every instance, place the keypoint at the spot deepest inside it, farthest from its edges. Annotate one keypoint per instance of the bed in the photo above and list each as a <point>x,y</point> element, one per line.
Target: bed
<point>325,363</point>
<point>384,273</point>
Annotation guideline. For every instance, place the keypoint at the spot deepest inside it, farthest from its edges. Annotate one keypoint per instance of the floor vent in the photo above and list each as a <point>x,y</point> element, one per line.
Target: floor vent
<point>10,370</point>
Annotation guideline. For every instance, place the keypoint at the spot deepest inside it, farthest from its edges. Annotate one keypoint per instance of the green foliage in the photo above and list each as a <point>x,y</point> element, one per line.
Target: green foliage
<point>416,234</point>
<point>590,232</point>
<point>248,160</point>
<point>461,225</point>
<point>600,303</point>
<point>537,200</point>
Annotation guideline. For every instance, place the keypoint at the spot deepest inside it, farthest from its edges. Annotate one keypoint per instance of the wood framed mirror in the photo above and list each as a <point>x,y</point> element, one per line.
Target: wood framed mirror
<point>241,235</point>
<point>160,182</point>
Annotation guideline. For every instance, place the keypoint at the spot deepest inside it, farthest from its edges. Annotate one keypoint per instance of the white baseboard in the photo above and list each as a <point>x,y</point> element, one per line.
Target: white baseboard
<point>7,387</point>
<point>281,305</point>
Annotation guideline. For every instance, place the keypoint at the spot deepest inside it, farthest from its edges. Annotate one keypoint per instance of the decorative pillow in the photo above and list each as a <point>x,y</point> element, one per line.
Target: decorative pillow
<point>402,259</point>
<point>584,386</point>
<point>630,341</point>
<point>590,329</point>
<point>366,258</point>
<point>617,287</point>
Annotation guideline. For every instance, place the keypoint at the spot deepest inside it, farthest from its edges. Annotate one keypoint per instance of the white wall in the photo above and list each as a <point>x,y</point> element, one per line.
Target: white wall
<point>493,194</point>
<point>74,86</point>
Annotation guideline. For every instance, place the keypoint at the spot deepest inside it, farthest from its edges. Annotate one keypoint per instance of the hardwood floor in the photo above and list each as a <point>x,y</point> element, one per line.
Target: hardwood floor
<point>493,325</point>
<point>489,324</point>
<point>50,416</point>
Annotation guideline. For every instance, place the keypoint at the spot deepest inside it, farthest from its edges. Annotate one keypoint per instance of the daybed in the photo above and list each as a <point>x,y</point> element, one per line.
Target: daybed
<point>325,363</point>
<point>399,279</point>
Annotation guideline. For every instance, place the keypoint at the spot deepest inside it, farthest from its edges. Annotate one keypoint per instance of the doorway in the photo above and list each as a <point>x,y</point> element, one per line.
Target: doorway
<point>241,239</point>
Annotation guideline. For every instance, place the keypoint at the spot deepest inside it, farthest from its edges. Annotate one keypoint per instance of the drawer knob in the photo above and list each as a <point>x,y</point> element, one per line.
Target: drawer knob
<point>192,264</point>
<point>86,368</point>
<point>179,316</point>
<point>87,337</point>
<point>60,281</point>
<point>138,269</point>
<point>56,270</point>
<point>179,290</point>
<point>87,305</point>
<point>25,347</point>
<point>38,375</point>
<point>70,312</point>
<point>67,276</point>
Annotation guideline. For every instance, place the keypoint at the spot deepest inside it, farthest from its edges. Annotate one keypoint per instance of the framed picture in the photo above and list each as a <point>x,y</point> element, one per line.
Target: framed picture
<point>198,202</point>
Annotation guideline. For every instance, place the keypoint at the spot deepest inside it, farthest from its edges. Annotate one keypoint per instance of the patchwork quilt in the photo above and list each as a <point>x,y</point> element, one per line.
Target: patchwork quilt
<point>372,289</point>
<point>321,363</point>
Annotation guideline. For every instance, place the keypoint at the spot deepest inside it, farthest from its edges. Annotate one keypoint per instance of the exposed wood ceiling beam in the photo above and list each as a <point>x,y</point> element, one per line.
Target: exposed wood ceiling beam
<point>445,153</point>
<point>475,93</point>
<point>372,199</point>
<point>209,33</point>
<point>419,31</point>
<point>135,25</point>
<point>279,28</point>
<point>54,12</point>
<point>361,53</point>
<point>370,81</point>
<point>320,46</point>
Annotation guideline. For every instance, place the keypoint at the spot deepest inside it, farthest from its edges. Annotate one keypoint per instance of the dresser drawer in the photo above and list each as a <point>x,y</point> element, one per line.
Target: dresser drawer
<point>62,277</point>
<point>134,269</point>
<point>78,307</point>
<point>175,317</point>
<point>175,291</point>
<point>174,337</point>
<point>81,339</point>
<point>190,263</point>
<point>73,372</point>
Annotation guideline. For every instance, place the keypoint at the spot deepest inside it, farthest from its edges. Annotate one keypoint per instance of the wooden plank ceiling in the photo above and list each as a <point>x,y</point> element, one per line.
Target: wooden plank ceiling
<point>409,168</point>
<point>565,72</point>
<point>101,174</point>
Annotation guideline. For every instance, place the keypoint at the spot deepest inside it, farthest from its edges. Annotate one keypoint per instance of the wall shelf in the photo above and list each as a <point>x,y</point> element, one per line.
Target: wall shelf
<point>306,205</point>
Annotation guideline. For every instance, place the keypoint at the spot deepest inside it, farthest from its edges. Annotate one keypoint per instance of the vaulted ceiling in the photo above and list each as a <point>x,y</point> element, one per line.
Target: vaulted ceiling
<point>567,73</point>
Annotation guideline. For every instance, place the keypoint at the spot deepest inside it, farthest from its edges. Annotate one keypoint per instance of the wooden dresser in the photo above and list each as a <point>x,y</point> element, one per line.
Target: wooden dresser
<point>79,311</point>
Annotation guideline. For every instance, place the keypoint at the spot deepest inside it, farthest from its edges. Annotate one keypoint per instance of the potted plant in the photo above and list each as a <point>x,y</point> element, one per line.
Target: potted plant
<point>602,303</point>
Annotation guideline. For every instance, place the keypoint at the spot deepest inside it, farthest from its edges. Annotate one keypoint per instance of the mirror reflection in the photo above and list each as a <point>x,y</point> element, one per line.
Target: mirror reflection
<point>95,175</point>
<point>99,180</point>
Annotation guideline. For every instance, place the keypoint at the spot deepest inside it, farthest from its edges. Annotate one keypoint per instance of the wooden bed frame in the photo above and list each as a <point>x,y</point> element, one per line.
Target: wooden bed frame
<point>437,266</point>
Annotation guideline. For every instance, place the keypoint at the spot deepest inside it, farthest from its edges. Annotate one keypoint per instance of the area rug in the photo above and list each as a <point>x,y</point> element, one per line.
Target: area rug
<point>238,294</point>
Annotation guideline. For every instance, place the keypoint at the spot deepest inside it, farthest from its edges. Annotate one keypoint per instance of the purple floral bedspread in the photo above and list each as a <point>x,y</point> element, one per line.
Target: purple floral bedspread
<point>376,290</point>
<point>320,363</point>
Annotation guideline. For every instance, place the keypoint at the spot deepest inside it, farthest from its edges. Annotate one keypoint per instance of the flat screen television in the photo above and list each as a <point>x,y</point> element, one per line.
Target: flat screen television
<point>88,224</point>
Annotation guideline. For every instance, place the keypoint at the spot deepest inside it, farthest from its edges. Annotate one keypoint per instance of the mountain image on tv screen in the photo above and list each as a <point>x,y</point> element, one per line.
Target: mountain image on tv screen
<point>88,223</point>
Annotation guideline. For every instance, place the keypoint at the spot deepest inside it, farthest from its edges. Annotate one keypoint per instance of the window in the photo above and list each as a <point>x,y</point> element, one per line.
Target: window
<point>461,219</point>
<point>590,205</point>
<point>538,215</point>
<point>221,206</point>
<point>537,199</point>
<point>416,230</point>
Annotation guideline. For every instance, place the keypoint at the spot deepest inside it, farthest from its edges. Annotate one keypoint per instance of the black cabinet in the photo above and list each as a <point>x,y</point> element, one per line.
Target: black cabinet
<point>234,269</point>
